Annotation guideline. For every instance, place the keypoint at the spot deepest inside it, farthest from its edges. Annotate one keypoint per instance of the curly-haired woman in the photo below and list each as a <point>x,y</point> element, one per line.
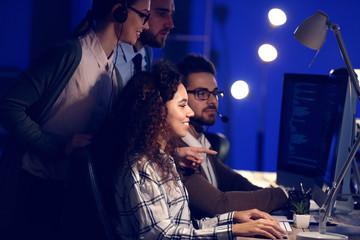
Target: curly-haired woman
<point>151,200</point>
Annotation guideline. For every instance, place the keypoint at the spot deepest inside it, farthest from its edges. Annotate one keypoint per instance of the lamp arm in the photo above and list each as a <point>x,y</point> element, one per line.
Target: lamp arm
<point>309,27</point>
<point>325,210</point>
<point>336,30</point>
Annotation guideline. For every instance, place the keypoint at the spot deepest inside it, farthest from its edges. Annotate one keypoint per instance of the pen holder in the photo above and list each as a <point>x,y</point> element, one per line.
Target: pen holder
<point>298,203</point>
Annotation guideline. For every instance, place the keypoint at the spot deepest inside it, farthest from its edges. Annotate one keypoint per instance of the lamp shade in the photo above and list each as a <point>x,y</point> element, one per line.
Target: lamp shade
<point>313,30</point>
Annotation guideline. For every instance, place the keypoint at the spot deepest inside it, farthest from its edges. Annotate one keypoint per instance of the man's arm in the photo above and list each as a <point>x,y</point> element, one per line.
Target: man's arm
<point>206,200</point>
<point>229,180</point>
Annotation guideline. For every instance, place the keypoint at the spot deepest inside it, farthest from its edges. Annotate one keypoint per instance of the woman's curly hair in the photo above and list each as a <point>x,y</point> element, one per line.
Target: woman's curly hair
<point>139,120</point>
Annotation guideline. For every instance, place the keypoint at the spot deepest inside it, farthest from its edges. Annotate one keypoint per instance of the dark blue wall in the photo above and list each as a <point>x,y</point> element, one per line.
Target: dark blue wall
<point>237,41</point>
<point>238,29</point>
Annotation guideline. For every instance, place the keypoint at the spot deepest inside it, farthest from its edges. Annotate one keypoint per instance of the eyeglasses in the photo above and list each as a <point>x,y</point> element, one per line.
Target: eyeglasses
<point>204,94</point>
<point>142,15</point>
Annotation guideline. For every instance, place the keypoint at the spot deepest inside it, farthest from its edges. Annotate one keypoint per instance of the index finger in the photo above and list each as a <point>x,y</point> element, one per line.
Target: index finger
<point>204,150</point>
<point>264,215</point>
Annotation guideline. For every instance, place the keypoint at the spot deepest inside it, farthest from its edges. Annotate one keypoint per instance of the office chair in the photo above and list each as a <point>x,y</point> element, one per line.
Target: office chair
<point>219,143</point>
<point>85,215</point>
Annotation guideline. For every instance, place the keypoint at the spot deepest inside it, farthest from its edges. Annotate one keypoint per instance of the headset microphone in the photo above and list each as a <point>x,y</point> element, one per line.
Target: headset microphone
<point>225,119</point>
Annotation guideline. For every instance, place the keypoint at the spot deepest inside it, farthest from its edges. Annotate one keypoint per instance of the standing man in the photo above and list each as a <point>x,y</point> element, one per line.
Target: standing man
<point>214,188</point>
<point>130,59</point>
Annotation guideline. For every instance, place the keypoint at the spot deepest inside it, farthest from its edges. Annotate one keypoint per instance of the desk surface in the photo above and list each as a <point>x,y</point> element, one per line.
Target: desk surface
<point>352,233</point>
<point>292,236</point>
<point>266,179</point>
<point>261,179</point>
<point>353,218</point>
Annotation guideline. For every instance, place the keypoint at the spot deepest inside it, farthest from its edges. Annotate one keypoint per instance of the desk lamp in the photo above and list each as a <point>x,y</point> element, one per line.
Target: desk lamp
<point>312,33</point>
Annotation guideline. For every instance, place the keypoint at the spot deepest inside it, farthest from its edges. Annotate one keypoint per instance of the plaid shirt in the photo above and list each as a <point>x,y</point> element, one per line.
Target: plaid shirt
<point>149,208</point>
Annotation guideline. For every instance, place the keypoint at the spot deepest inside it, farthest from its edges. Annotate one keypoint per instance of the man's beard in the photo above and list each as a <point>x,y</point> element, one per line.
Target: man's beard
<point>204,122</point>
<point>149,39</point>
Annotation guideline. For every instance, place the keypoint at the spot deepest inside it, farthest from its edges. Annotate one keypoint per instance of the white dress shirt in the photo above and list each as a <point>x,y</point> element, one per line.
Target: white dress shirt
<point>202,142</point>
<point>124,53</point>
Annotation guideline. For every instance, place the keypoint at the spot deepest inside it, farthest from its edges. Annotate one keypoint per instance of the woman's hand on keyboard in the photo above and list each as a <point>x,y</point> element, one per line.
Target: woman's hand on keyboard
<point>251,215</point>
<point>255,222</point>
<point>264,227</point>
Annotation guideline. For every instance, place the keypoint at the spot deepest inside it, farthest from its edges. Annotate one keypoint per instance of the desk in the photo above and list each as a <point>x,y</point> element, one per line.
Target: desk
<point>261,179</point>
<point>352,218</point>
<point>292,236</point>
<point>266,179</point>
<point>352,233</point>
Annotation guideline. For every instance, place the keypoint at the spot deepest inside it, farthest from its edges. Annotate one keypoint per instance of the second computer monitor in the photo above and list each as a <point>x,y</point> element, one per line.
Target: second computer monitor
<point>316,129</point>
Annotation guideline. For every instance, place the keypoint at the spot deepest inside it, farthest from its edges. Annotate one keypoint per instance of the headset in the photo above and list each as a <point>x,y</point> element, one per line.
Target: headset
<point>120,14</point>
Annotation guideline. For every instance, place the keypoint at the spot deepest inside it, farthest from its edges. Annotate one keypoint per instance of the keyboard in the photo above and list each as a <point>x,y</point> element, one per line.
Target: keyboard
<point>285,226</point>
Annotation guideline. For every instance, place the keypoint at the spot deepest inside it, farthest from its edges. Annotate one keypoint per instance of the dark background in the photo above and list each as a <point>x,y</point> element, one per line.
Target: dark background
<point>227,32</point>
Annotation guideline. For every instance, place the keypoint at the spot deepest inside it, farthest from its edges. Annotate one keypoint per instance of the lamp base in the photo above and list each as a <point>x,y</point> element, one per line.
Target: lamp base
<point>317,235</point>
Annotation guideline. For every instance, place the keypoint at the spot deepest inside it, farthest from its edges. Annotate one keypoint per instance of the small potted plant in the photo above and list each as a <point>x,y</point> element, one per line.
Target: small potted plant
<point>301,215</point>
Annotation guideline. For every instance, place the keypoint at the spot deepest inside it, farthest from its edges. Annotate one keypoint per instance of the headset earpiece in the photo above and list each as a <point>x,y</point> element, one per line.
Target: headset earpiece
<point>120,13</point>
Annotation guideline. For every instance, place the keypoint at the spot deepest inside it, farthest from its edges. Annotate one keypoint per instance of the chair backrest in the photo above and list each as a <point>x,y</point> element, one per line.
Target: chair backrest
<point>219,143</point>
<point>96,193</point>
<point>84,204</point>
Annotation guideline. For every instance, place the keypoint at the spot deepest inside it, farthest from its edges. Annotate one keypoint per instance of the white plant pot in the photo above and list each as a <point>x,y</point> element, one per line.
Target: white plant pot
<point>301,221</point>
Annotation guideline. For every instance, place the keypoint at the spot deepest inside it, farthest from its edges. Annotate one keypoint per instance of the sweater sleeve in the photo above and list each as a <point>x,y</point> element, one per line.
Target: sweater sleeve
<point>229,180</point>
<point>207,201</point>
<point>33,94</point>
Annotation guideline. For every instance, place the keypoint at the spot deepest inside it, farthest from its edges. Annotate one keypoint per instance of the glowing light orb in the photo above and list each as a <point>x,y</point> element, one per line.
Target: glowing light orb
<point>277,17</point>
<point>267,53</point>
<point>240,89</point>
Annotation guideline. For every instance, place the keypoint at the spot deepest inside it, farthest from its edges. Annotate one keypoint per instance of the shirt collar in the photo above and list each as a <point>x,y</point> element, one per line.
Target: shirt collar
<point>191,140</point>
<point>95,47</point>
<point>201,142</point>
<point>128,51</point>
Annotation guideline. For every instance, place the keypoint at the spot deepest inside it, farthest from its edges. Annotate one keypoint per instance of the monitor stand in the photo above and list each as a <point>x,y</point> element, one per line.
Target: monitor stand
<point>344,205</point>
<point>344,202</point>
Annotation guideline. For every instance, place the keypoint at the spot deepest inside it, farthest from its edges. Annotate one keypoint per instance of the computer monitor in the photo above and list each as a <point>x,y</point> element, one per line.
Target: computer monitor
<point>329,170</point>
<point>316,131</point>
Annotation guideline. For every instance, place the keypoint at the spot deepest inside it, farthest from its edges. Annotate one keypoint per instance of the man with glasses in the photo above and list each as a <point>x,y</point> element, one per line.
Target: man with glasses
<point>131,59</point>
<point>214,188</point>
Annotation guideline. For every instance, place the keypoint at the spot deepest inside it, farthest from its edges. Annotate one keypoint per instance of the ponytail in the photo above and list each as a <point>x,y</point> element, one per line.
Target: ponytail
<point>85,25</point>
<point>99,11</point>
